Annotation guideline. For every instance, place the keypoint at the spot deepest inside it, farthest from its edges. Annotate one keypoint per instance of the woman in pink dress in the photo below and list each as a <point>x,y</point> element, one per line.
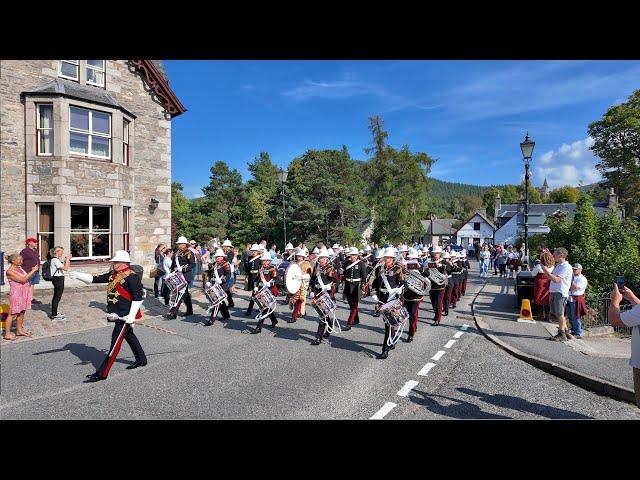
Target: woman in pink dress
<point>19,295</point>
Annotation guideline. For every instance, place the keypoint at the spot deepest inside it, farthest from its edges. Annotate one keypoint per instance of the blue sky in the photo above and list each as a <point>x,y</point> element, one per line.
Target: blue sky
<point>469,115</point>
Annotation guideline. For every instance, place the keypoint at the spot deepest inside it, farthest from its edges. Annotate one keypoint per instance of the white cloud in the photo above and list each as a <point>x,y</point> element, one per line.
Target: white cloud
<point>568,165</point>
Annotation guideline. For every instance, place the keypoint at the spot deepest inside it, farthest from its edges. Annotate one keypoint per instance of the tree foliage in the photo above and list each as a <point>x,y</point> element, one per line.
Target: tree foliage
<point>564,194</point>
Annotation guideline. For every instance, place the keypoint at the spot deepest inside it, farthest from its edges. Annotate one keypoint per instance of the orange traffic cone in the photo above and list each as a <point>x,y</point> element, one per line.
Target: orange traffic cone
<point>525,312</point>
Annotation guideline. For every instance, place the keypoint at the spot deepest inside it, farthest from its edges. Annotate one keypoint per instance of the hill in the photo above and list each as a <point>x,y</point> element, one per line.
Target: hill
<point>445,199</point>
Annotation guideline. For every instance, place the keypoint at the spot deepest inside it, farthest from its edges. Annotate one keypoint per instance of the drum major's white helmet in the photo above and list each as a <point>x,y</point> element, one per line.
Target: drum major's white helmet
<point>121,256</point>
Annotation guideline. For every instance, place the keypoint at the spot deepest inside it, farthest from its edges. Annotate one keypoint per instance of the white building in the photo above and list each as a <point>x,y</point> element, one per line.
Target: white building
<point>478,228</point>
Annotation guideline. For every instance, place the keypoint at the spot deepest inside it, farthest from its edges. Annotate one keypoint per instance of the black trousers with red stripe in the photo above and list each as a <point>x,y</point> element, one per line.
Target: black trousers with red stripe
<point>437,302</point>
<point>133,342</point>
<point>413,307</point>
<point>353,297</point>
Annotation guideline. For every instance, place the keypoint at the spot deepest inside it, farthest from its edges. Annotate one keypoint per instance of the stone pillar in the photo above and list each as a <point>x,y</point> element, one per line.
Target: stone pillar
<point>62,225</point>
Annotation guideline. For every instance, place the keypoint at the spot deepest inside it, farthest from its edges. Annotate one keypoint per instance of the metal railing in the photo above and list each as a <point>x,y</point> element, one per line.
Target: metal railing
<point>597,314</point>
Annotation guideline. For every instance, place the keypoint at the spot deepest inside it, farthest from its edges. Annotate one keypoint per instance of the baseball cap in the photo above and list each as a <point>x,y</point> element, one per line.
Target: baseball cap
<point>576,266</point>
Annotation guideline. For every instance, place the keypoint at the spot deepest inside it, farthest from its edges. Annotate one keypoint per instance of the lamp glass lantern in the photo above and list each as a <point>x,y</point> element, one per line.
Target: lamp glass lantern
<point>527,147</point>
<point>282,175</point>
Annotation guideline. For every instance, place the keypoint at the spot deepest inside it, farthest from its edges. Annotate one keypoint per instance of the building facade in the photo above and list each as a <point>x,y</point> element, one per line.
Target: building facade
<point>438,231</point>
<point>477,229</point>
<point>85,152</point>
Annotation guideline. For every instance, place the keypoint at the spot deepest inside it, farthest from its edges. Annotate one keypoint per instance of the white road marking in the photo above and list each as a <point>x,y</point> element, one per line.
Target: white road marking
<point>438,355</point>
<point>425,369</point>
<point>386,408</point>
<point>404,391</point>
<point>458,334</point>
<point>464,327</point>
<point>450,344</point>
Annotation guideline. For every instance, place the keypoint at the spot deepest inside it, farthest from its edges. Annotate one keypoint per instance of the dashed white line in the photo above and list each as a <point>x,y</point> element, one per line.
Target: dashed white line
<point>464,327</point>
<point>458,334</point>
<point>386,408</point>
<point>438,355</point>
<point>404,391</point>
<point>450,344</point>
<point>425,369</point>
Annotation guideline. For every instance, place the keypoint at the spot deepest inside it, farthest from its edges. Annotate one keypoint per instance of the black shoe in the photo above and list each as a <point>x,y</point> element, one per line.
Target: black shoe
<point>409,339</point>
<point>392,347</point>
<point>231,305</point>
<point>291,320</point>
<point>136,365</point>
<point>94,377</point>
<point>225,318</point>
<point>208,323</point>
<point>383,355</point>
<point>171,317</point>
<point>435,322</point>
<point>346,328</point>
<point>186,314</point>
<point>453,306</point>
<point>273,325</point>
<point>356,322</point>
<point>446,314</point>
<point>317,341</point>
<point>256,330</point>
<point>247,313</point>
<point>326,335</point>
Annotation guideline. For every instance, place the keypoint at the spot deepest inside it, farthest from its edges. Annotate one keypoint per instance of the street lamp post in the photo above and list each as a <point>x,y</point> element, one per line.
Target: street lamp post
<point>527,151</point>
<point>412,209</point>
<point>282,175</point>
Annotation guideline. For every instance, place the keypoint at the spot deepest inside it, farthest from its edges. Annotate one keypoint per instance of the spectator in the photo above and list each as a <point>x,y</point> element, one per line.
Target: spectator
<point>576,306</point>
<point>19,295</point>
<point>501,260</point>
<point>245,258</point>
<point>158,257</point>
<point>541,289</point>
<point>196,253</point>
<point>628,319</point>
<point>235,264</point>
<point>485,254</point>
<point>57,278</point>
<point>30,257</point>
<point>513,260</point>
<point>166,266</point>
<point>560,277</point>
<point>492,259</point>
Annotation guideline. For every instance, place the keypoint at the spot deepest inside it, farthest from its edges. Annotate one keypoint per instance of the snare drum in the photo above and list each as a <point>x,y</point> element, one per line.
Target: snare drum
<point>176,281</point>
<point>395,313</point>
<point>265,299</point>
<point>324,303</point>
<point>215,293</point>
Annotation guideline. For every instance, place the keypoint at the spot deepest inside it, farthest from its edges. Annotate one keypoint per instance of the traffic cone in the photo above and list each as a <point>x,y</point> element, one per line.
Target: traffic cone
<point>525,312</point>
<point>4,313</point>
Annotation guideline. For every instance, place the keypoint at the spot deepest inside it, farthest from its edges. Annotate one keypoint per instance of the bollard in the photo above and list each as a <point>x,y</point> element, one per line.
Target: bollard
<point>525,312</point>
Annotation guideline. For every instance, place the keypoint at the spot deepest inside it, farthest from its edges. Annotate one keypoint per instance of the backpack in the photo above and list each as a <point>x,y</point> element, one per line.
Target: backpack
<point>46,271</point>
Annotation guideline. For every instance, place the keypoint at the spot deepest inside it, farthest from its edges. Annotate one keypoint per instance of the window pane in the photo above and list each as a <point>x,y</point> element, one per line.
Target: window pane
<point>93,76</point>
<point>80,244</point>
<point>79,119</point>
<point>100,245</point>
<point>45,117</point>
<point>96,63</point>
<point>79,217</point>
<point>69,70</point>
<point>100,146</point>
<point>46,218</point>
<point>100,123</point>
<point>125,219</point>
<point>79,143</point>
<point>46,141</point>
<point>101,218</point>
<point>125,131</point>
<point>46,242</point>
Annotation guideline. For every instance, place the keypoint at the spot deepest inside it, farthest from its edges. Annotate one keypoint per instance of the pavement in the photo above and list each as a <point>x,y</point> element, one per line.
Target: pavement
<point>450,371</point>
<point>593,362</point>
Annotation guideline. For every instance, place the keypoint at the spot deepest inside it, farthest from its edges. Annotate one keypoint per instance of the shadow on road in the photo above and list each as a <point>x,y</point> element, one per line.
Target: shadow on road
<point>86,354</point>
<point>457,409</point>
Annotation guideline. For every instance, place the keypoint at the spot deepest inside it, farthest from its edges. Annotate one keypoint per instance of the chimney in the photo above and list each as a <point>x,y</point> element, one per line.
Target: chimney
<point>497,206</point>
<point>613,200</point>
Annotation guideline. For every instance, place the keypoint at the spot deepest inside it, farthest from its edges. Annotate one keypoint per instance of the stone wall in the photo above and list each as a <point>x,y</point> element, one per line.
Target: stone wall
<point>63,179</point>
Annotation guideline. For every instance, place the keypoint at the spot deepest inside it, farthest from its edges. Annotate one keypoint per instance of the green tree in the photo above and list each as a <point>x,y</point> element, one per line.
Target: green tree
<point>565,194</point>
<point>534,194</point>
<point>181,213</point>
<point>583,234</point>
<point>489,200</point>
<point>617,142</point>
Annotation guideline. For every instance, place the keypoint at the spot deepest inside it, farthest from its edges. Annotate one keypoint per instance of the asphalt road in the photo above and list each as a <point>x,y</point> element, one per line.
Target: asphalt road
<point>222,372</point>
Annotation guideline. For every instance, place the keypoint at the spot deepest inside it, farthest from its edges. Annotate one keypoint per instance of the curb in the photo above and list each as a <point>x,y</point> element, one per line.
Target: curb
<point>593,384</point>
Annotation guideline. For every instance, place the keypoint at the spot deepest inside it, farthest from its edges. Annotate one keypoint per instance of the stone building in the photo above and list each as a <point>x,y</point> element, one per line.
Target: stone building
<point>85,150</point>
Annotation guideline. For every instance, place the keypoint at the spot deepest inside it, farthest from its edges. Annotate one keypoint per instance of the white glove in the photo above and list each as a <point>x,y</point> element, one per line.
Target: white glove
<point>306,277</point>
<point>135,306</point>
<point>326,288</point>
<point>83,277</point>
<point>375,297</point>
<point>311,294</point>
<point>178,269</point>
<point>207,285</point>
<point>255,290</point>
<point>219,282</point>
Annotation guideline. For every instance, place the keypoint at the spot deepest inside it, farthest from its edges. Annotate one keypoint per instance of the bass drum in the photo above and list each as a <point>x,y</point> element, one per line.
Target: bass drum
<point>293,278</point>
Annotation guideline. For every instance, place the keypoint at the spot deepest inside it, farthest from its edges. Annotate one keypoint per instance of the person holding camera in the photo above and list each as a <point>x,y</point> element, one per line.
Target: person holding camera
<point>561,278</point>
<point>629,318</point>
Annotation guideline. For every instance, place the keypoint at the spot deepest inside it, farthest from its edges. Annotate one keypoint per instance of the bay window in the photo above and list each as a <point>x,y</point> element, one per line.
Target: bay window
<point>89,133</point>
<point>90,231</point>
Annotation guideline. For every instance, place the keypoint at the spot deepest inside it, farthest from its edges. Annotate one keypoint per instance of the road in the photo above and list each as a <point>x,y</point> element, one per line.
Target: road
<point>221,372</point>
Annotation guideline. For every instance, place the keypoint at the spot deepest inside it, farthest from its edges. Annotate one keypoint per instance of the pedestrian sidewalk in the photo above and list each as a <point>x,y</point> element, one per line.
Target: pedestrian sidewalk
<point>600,363</point>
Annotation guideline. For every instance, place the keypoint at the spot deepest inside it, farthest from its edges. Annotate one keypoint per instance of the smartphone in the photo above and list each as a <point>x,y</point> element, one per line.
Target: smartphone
<point>620,282</point>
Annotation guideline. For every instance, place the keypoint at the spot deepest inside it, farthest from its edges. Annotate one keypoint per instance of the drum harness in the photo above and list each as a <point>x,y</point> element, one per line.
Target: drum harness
<point>265,284</point>
<point>179,293</point>
<point>335,324</point>
<point>393,293</point>
<point>215,305</point>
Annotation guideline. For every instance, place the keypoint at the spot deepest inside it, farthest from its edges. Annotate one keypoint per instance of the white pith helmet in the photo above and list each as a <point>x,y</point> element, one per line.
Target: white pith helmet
<point>182,240</point>
<point>323,253</point>
<point>227,243</point>
<point>255,248</point>
<point>219,253</point>
<point>354,251</point>
<point>389,252</point>
<point>121,256</point>
<point>265,256</point>
<point>436,250</point>
<point>289,246</point>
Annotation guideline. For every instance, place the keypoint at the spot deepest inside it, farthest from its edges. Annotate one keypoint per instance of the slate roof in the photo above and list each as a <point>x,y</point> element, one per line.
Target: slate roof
<point>550,209</point>
<point>71,89</point>
<point>441,226</point>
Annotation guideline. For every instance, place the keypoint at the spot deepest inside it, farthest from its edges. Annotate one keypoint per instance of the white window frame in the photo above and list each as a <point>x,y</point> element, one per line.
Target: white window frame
<point>40,252</point>
<point>72,62</point>
<point>125,228</point>
<point>97,69</point>
<point>90,133</point>
<point>39,128</point>
<point>126,140</point>
<point>90,232</point>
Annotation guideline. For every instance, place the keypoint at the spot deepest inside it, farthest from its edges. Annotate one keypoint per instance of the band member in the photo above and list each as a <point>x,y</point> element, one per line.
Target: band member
<point>220,273</point>
<point>436,272</point>
<point>446,260</point>
<point>372,275</point>
<point>227,247</point>
<point>297,300</point>
<point>456,274</point>
<point>289,253</point>
<point>125,295</point>
<point>355,277</point>
<point>253,268</point>
<point>266,275</point>
<point>322,280</point>
<point>412,300</point>
<point>389,282</point>
<point>183,261</point>
<point>467,266</point>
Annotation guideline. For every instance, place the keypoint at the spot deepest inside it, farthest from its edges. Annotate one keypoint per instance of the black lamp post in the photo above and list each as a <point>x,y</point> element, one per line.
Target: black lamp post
<point>282,176</point>
<point>527,151</point>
